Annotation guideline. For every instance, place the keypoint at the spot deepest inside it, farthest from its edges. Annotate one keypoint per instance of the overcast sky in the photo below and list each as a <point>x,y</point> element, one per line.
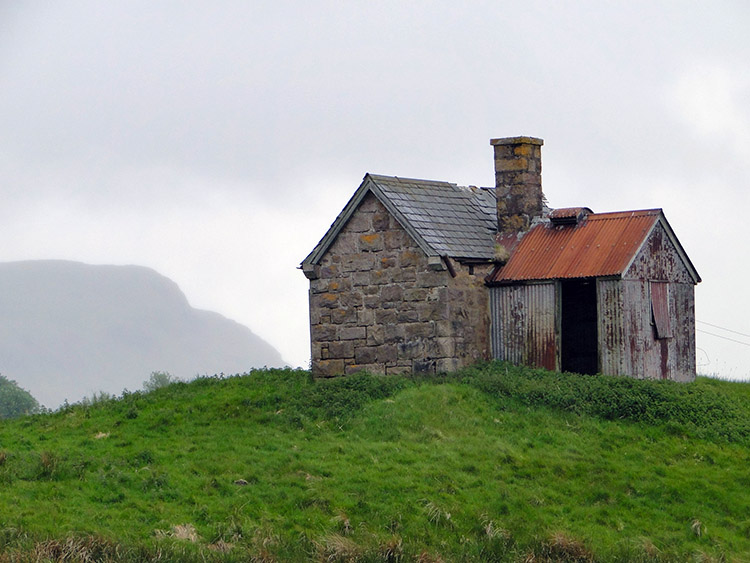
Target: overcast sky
<point>217,141</point>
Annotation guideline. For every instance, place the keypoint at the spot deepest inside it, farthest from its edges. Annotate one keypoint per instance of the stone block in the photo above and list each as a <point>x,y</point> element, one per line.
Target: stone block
<point>351,299</point>
<point>419,330</point>
<point>511,164</point>
<point>328,368</point>
<point>404,275</point>
<point>408,258</point>
<point>375,335</point>
<point>324,333</point>
<point>398,369</point>
<point>353,333</point>
<point>365,317</point>
<point>388,354</point>
<point>386,316</point>
<point>444,328</point>
<point>325,300</point>
<point>415,294</point>
<point>381,221</point>
<point>340,285</point>
<point>314,316</point>
<point>408,316</point>
<point>388,262</point>
<point>366,354</point>
<point>432,279</point>
<point>341,316</point>
<point>380,277</point>
<point>345,243</point>
<point>371,242</point>
<point>318,286</point>
<point>410,349</point>
<point>360,223</point>
<point>317,351</point>
<point>433,311</point>
<point>341,350</point>
<point>396,240</point>
<point>364,261</point>
<point>328,271</point>
<point>360,279</point>
<point>392,293</point>
<point>371,290</point>
<point>370,204</point>
<point>394,332</point>
<point>446,347</point>
<point>372,301</point>
<point>503,151</point>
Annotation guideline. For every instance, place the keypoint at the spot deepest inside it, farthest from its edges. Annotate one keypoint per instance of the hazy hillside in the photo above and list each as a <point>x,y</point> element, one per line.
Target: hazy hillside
<point>69,329</point>
<point>494,463</point>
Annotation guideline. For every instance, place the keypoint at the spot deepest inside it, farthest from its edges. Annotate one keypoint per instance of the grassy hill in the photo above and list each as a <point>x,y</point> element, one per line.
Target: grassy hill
<point>495,463</point>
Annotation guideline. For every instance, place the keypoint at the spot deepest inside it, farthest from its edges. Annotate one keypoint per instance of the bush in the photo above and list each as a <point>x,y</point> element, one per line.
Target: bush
<point>693,408</point>
<point>158,379</point>
<point>15,401</point>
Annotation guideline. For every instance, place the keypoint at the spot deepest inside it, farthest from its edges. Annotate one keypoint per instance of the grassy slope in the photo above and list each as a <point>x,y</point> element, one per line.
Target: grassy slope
<point>493,463</point>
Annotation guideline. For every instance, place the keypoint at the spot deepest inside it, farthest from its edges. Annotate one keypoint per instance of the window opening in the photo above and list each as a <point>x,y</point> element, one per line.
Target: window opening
<point>660,309</point>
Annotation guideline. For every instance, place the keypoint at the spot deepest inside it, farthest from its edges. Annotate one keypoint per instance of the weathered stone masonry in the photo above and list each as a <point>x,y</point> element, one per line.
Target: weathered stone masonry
<point>378,304</point>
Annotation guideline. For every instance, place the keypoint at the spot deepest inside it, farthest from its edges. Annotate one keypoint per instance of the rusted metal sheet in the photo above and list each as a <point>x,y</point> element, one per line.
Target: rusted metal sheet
<point>524,324</point>
<point>610,333</point>
<point>682,346</point>
<point>659,260</point>
<point>660,309</point>
<point>602,244</point>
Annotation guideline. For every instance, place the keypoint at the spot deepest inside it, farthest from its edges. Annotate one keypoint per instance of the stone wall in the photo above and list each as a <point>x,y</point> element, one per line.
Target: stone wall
<point>378,304</point>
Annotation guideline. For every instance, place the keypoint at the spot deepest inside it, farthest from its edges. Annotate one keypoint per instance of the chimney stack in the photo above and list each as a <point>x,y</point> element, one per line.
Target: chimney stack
<point>518,183</point>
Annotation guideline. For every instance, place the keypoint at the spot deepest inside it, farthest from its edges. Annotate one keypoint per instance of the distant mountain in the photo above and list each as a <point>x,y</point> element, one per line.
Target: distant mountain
<point>68,330</point>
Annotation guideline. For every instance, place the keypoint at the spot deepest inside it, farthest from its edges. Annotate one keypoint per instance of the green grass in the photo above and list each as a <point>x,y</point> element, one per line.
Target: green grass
<point>495,463</point>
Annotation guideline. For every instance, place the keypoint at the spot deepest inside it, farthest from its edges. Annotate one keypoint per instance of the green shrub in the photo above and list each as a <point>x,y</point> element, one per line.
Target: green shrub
<point>15,401</point>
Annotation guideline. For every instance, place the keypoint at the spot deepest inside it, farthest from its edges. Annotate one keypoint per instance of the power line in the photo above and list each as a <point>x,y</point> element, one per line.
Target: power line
<point>722,328</point>
<point>722,337</point>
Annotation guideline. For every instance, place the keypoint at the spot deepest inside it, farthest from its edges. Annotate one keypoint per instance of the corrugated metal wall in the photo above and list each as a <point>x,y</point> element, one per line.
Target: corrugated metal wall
<point>524,324</point>
<point>612,355</point>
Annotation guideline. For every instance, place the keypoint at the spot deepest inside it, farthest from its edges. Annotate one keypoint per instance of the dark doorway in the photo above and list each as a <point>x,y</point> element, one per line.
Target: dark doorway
<point>578,335</point>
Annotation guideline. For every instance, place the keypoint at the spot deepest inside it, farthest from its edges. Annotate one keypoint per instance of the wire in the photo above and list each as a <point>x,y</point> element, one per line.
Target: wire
<point>722,328</point>
<point>723,337</point>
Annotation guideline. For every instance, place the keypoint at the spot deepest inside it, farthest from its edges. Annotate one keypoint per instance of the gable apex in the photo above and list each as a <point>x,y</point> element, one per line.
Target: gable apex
<point>444,219</point>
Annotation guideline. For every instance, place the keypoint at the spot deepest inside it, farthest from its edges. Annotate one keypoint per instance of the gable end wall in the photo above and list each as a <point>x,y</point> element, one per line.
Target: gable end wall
<point>377,305</point>
<point>649,357</point>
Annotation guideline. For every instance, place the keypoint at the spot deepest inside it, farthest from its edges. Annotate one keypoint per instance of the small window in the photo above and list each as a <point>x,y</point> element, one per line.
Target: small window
<point>660,309</point>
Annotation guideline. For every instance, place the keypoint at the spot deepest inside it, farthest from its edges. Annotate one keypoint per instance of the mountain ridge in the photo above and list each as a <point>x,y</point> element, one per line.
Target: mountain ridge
<point>71,329</point>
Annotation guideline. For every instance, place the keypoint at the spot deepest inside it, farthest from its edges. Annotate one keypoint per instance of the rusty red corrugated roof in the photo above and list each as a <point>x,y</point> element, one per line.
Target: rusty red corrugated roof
<point>602,244</point>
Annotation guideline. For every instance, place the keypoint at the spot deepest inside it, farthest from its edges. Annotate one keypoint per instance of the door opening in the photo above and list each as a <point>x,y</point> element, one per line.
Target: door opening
<point>579,350</point>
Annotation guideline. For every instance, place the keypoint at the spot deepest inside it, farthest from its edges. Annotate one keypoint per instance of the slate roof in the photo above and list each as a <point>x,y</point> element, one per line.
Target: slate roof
<point>443,218</point>
<point>601,244</point>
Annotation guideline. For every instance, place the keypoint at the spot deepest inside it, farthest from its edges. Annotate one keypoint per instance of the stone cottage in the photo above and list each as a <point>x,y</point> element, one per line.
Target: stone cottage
<point>424,276</point>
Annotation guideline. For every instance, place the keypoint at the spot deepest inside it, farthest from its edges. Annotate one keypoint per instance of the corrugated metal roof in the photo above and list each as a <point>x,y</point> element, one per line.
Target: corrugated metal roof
<point>602,244</point>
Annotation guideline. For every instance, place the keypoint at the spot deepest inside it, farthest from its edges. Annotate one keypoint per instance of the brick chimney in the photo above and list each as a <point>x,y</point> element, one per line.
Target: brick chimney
<point>518,183</point>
